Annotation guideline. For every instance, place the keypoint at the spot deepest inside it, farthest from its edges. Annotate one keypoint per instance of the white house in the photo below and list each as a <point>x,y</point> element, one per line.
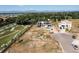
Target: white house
<point>43,24</point>
<point>65,25</point>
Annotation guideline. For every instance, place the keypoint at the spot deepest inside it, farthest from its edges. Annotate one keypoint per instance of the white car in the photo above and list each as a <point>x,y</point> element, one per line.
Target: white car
<point>75,44</point>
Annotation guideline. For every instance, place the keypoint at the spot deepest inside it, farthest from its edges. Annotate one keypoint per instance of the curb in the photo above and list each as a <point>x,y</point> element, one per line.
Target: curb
<point>61,47</point>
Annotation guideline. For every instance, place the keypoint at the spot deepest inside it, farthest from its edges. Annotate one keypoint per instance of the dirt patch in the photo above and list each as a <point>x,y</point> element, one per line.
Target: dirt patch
<point>75,27</point>
<point>35,40</point>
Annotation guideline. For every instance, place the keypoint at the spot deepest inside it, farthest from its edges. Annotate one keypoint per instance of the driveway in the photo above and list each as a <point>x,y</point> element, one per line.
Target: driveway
<point>65,39</point>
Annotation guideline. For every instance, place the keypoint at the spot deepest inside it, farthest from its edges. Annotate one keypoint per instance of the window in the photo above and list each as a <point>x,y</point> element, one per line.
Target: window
<point>66,25</point>
<point>60,27</point>
<point>63,26</point>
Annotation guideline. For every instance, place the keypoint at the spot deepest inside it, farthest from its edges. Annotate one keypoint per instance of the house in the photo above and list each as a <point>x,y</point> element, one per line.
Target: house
<point>43,24</point>
<point>65,25</point>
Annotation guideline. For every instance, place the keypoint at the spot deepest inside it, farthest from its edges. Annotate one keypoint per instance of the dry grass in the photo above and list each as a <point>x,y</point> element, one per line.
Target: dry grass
<point>75,27</point>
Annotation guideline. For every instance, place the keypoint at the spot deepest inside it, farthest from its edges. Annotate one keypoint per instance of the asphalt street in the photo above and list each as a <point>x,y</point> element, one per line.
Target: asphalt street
<point>66,41</point>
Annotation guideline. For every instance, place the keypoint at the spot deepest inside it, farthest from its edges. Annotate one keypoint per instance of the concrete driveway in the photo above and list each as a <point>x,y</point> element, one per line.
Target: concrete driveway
<point>65,39</point>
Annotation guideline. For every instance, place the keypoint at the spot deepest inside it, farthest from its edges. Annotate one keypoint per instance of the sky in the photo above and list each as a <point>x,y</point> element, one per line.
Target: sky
<point>39,7</point>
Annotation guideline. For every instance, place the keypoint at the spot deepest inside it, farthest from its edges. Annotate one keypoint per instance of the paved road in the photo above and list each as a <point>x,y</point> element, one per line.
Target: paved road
<point>65,40</point>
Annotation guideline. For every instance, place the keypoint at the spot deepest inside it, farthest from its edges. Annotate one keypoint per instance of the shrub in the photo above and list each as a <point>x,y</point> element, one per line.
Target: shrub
<point>73,36</point>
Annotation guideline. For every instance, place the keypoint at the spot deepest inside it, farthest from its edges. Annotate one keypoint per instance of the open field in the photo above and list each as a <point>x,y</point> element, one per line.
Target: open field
<point>35,40</point>
<point>7,35</point>
<point>75,27</point>
<point>6,39</point>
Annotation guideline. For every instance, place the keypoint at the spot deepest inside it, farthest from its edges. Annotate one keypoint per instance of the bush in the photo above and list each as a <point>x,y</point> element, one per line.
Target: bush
<point>73,36</point>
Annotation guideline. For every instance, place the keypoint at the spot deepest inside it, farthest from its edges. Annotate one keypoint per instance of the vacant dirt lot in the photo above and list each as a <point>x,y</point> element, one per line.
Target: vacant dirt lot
<point>75,27</point>
<point>35,40</point>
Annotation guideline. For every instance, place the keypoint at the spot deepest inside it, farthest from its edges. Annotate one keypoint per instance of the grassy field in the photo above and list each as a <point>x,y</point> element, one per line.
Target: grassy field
<point>8,34</point>
<point>5,33</point>
<point>19,27</point>
<point>6,39</point>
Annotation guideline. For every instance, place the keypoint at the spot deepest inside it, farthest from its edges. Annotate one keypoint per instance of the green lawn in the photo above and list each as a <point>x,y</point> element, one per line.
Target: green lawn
<point>8,35</point>
<point>6,32</point>
<point>19,27</point>
<point>6,39</point>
